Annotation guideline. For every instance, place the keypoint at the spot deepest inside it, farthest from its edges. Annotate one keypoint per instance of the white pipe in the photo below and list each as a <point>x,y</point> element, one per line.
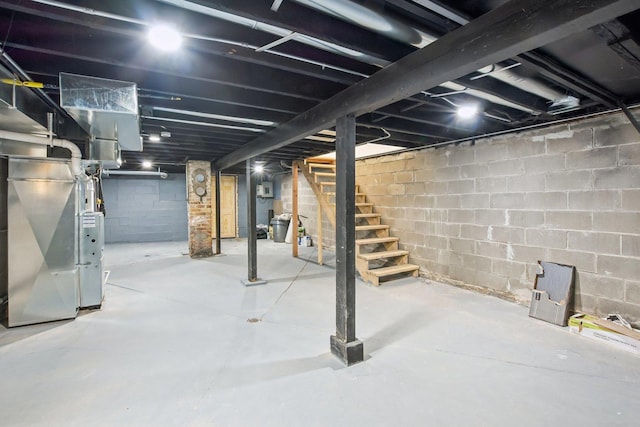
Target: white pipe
<point>522,83</point>
<point>397,30</point>
<point>391,27</point>
<point>489,97</point>
<point>109,172</point>
<point>372,20</point>
<point>273,29</point>
<point>76,155</point>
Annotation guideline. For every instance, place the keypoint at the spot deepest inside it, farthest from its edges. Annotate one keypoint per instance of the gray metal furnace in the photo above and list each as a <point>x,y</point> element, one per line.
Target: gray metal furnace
<point>41,222</point>
<point>90,259</point>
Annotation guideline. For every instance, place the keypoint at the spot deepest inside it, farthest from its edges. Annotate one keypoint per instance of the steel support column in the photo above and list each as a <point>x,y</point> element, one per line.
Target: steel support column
<point>344,343</point>
<point>252,240</point>
<point>294,215</point>
<point>218,236</point>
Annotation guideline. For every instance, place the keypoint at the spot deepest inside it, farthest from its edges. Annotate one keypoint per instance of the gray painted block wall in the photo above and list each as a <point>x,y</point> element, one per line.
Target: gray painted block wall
<point>145,209</point>
<point>262,207</point>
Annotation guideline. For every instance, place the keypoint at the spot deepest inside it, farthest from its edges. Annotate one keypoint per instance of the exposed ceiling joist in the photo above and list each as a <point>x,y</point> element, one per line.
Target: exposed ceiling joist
<point>509,30</point>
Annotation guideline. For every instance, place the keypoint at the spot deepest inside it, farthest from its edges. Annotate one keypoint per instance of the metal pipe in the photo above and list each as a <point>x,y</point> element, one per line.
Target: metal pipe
<point>76,155</point>
<point>15,68</point>
<point>485,41</point>
<point>275,30</point>
<point>513,130</point>
<point>489,97</point>
<point>226,16</point>
<point>372,20</point>
<point>283,33</point>
<point>109,172</point>
<point>399,31</point>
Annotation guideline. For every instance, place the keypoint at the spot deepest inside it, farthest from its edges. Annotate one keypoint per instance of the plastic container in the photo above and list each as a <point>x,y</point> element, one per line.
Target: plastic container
<point>279,229</point>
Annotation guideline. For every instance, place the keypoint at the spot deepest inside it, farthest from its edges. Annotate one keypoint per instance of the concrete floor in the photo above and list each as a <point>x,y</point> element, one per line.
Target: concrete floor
<point>176,343</point>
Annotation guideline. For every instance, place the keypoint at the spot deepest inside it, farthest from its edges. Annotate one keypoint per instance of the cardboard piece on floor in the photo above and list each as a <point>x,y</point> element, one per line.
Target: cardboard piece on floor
<point>605,331</point>
<point>552,293</point>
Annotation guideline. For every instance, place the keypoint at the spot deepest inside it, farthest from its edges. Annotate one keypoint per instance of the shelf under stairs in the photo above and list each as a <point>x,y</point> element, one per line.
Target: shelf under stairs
<point>377,254</point>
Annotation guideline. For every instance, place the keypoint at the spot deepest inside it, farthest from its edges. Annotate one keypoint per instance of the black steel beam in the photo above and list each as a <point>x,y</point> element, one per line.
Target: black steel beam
<point>218,209</point>
<point>515,27</point>
<point>344,343</point>
<point>252,257</point>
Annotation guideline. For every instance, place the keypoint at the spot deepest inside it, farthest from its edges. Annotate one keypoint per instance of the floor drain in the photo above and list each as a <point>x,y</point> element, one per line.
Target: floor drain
<point>253,320</point>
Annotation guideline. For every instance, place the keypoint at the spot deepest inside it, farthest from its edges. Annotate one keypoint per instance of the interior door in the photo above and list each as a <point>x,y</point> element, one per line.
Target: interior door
<point>228,206</point>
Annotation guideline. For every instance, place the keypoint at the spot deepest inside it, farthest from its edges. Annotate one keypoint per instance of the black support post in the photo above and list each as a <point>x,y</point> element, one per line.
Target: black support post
<point>252,240</point>
<point>218,209</point>
<point>344,343</point>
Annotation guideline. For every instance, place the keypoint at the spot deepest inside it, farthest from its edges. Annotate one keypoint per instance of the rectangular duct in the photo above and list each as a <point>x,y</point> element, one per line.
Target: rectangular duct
<point>106,109</point>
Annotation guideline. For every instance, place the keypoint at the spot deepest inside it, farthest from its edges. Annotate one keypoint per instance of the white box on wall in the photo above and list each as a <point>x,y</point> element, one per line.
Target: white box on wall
<point>265,189</point>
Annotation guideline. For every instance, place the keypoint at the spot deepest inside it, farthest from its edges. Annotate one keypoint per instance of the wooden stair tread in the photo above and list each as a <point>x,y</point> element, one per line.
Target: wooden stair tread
<point>322,165</point>
<point>320,160</point>
<point>368,215</point>
<point>394,269</point>
<point>357,204</point>
<point>376,240</point>
<point>333,193</point>
<point>371,227</point>
<point>324,174</point>
<point>384,254</point>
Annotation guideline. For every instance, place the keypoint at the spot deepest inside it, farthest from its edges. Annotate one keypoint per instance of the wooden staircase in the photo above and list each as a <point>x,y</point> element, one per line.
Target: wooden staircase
<point>377,253</point>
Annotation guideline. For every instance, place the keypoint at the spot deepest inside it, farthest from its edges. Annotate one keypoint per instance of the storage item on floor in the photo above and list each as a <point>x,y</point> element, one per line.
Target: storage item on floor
<point>552,293</point>
<point>280,227</point>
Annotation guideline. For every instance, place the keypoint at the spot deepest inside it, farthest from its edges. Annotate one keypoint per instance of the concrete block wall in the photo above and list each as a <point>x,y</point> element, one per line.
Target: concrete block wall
<point>145,209</point>
<point>484,213</point>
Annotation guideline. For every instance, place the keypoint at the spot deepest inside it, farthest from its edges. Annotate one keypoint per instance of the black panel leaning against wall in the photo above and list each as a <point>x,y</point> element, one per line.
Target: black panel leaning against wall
<point>145,209</point>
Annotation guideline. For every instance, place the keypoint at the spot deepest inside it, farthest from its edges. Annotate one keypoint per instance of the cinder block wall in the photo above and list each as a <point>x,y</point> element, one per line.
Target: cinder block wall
<point>144,209</point>
<point>483,214</point>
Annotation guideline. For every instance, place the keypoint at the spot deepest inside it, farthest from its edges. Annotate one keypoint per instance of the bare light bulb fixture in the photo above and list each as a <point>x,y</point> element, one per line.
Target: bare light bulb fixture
<point>259,168</point>
<point>154,138</point>
<point>146,164</point>
<point>164,37</point>
<point>466,112</point>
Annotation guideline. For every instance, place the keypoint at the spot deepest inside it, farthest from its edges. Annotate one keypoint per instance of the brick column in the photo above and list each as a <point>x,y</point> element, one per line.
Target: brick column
<point>199,208</point>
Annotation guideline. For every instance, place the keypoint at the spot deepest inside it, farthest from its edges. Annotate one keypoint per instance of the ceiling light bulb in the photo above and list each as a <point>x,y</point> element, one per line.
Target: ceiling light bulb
<point>146,164</point>
<point>165,38</point>
<point>259,168</point>
<point>467,111</point>
<point>154,138</point>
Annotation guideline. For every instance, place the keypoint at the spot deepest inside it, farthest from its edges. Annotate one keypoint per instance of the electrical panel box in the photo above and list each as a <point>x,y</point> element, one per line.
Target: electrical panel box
<point>265,190</point>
